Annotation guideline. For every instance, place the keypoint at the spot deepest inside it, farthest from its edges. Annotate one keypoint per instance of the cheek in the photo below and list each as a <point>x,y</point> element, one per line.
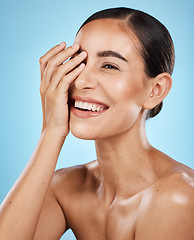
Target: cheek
<point>125,96</point>
<point>125,90</point>
<point>121,87</point>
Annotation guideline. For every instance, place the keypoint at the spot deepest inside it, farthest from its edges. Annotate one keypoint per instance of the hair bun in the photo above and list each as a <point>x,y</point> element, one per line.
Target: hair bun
<point>154,111</point>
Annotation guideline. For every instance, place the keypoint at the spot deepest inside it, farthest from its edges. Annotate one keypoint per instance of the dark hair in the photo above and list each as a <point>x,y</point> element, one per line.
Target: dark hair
<point>156,42</point>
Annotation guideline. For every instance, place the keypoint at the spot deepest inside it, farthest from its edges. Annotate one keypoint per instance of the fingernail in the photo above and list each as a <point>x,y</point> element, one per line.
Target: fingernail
<point>82,65</point>
<point>75,45</point>
<point>82,54</point>
<point>62,44</point>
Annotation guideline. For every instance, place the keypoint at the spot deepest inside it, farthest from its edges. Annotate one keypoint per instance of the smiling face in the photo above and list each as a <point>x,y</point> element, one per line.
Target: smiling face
<point>112,84</point>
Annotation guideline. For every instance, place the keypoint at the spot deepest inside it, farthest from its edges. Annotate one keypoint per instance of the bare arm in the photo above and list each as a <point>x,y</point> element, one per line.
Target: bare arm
<point>52,223</point>
<point>21,209</point>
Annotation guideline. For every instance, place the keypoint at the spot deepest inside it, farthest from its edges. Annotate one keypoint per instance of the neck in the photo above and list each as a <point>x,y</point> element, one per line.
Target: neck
<point>125,159</point>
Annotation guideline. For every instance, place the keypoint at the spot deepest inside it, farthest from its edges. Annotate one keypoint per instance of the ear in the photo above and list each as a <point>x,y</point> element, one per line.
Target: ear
<point>158,90</point>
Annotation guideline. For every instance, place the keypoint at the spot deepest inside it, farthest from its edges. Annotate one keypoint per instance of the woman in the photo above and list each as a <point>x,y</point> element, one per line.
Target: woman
<point>118,73</point>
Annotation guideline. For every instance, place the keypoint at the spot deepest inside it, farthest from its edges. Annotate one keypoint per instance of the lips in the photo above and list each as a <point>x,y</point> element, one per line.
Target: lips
<point>87,107</point>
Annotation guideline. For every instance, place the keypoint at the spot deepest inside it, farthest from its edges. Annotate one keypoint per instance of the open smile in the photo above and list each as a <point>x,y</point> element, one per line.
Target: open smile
<point>87,107</point>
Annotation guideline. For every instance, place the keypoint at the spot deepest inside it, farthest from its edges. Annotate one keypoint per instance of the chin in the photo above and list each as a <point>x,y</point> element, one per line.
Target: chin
<point>85,128</point>
<point>95,129</point>
<point>86,132</point>
<point>81,135</point>
<point>82,132</point>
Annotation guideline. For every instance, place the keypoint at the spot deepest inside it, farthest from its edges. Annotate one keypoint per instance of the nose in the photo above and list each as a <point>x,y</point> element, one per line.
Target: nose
<point>86,80</point>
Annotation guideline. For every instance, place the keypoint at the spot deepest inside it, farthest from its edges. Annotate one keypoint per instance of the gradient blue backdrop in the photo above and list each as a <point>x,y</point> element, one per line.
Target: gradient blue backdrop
<point>30,28</point>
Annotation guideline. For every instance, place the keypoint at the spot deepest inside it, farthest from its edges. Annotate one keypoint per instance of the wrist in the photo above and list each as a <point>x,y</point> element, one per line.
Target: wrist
<point>54,134</point>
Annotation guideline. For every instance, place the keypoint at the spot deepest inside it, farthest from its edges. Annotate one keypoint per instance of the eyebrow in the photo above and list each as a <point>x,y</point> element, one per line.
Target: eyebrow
<point>110,53</point>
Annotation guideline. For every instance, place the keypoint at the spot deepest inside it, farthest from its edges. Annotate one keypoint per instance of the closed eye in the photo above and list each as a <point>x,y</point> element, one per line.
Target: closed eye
<point>109,66</point>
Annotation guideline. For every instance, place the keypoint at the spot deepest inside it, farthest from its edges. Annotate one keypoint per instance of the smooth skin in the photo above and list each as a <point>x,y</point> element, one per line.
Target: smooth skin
<point>132,191</point>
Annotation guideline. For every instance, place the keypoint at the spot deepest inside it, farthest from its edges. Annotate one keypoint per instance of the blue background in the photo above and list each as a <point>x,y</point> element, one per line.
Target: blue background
<point>30,28</point>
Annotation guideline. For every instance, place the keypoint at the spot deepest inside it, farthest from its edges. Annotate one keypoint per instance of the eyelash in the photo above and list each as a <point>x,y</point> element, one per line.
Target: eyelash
<point>109,66</point>
<point>106,66</point>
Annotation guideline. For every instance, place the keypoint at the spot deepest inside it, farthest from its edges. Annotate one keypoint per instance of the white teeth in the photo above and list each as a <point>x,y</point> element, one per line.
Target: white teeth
<point>94,108</point>
<point>88,106</point>
<point>98,108</point>
<point>85,105</point>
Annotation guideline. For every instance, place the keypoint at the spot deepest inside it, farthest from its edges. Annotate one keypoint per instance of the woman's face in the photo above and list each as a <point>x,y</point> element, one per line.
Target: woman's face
<point>113,82</point>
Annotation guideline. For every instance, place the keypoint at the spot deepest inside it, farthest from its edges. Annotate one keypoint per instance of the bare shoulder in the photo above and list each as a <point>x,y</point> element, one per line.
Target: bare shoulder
<point>167,209</point>
<point>178,179</point>
<point>174,177</point>
<point>175,189</point>
<point>74,178</point>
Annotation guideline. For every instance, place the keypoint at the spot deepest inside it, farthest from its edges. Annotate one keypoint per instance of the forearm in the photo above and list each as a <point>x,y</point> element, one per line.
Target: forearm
<point>20,211</point>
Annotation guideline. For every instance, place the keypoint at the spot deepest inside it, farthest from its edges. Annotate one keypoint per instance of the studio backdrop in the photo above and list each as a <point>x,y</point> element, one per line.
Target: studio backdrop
<point>28,29</point>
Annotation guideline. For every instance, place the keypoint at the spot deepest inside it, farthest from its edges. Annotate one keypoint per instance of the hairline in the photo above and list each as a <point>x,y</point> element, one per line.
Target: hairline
<point>125,24</point>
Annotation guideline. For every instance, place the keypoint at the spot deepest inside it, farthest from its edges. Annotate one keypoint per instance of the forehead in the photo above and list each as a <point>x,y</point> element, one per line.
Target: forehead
<point>103,34</point>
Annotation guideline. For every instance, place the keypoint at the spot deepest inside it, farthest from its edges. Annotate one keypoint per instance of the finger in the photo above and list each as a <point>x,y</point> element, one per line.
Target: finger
<point>68,79</point>
<point>46,57</point>
<point>66,68</point>
<point>56,61</point>
<point>64,55</point>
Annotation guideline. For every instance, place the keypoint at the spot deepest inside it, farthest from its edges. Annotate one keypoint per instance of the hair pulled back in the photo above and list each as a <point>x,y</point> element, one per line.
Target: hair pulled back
<point>156,43</point>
